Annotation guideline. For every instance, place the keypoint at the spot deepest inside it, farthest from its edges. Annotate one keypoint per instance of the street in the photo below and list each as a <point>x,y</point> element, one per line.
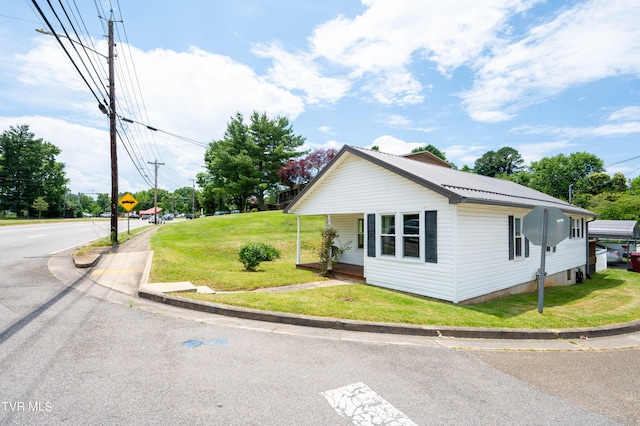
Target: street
<point>75,357</point>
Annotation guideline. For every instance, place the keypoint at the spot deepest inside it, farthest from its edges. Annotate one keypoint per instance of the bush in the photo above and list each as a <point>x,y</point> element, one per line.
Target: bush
<point>251,254</point>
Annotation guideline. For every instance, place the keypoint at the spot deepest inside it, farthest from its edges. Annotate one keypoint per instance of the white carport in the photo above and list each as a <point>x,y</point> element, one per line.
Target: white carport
<point>614,229</point>
<point>617,234</point>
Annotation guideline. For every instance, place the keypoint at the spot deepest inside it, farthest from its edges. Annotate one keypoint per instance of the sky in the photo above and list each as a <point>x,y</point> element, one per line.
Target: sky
<point>466,76</point>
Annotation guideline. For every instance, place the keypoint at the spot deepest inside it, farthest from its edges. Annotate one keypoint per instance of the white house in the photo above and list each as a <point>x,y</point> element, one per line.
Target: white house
<point>430,230</point>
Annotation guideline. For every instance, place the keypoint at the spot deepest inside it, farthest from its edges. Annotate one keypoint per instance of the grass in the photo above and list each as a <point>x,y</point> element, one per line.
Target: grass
<point>106,241</point>
<point>204,251</point>
<point>32,221</point>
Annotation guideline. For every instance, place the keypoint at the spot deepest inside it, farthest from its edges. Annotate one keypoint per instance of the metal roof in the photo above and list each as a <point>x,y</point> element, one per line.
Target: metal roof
<point>457,186</point>
<point>617,229</point>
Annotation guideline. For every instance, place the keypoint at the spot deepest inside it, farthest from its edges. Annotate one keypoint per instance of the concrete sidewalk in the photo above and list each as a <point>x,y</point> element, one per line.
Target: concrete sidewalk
<point>125,269</point>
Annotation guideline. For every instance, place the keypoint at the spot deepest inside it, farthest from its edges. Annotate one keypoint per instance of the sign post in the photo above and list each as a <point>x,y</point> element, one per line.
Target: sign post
<point>128,202</point>
<point>544,227</point>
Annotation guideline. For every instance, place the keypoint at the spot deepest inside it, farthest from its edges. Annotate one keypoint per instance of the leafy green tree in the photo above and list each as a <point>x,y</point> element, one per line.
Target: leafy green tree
<point>599,182</point>
<point>505,161</point>
<point>435,151</point>
<point>635,186</point>
<point>188,199</point>
<point>553,175</point>
<point>28,169</point>
<point>615,206</point>
<point>432,149</point>
<point>103,201</point>
<point>40,205</point>
<point>246,161</point>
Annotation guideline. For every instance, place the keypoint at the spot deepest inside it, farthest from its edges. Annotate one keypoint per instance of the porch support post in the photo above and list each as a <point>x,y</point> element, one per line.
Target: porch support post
<point>329,257</point>
<point>298,243</point>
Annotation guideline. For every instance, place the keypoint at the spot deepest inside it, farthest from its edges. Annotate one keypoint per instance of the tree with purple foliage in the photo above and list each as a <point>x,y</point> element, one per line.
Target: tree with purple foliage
<point>301,171</point>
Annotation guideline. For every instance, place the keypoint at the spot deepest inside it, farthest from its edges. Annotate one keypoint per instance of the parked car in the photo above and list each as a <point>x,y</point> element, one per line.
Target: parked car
<point>105,214</point>
<point>219,213</point>
<point>613,256</point>
<point>134,215</point>
<point>189,216</point>
<point>155,219</point>
<point>85,214</point>
<point>168,216</point>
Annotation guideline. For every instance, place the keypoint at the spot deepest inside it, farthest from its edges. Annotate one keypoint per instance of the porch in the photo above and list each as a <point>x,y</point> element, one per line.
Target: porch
<point>344,271</point>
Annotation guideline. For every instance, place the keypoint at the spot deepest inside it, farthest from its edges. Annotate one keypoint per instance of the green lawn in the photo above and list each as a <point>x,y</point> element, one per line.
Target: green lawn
<point>203,251</point>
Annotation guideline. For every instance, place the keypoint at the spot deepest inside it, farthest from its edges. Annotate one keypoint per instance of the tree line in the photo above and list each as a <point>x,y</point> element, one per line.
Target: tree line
<point>262,156</point>
<point>578,177</point>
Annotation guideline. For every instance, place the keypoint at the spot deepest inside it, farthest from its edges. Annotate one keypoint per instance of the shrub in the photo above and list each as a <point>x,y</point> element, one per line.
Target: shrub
<point>252,254</point>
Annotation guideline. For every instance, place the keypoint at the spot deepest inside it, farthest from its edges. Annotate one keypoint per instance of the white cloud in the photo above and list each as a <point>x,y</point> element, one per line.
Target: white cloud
<point>326,130</point>
<point>621,122</point>
<point>195,93</point>
<point>85,151</point>
<point>383,41</point>
<point>396,146</point>
<point>631,113</point>
<point>591,41</point>
<point>191,94</point>
<point>301,73</point>
<point>464,154</point>
<point>537,151</point>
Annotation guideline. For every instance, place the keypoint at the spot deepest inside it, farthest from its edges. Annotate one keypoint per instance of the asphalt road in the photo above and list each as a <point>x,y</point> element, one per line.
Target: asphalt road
<point>70,357</point>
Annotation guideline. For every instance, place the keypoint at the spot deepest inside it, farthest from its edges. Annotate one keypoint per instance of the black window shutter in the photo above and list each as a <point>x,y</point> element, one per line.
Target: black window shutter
<point>431,236</point>
<point>512,251</point>
<point>582,227</point>
<point>371,235</point>
<point>526,247</point>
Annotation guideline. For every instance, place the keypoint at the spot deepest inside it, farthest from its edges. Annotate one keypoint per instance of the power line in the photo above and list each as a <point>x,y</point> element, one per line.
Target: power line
<point>623,161</point>
<point>155,129</point>
<point>67,52</point>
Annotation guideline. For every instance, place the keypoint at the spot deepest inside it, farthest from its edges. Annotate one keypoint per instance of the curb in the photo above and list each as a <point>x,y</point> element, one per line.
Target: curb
<point>89,259</point>
<point>390,328</point>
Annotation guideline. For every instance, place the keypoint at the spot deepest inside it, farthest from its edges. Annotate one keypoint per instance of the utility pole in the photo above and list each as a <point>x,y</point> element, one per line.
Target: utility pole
<point>193,198</point>
<point>155,190</point>
<point>114,146</point>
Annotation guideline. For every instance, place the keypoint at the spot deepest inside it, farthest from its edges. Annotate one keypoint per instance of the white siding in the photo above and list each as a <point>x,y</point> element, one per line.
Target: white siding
<point>484,265</point>
<point>347,227</point>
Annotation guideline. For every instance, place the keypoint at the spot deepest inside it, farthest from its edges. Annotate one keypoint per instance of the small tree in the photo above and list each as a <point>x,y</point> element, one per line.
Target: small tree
<point>328,252</point>
<point>41,205</point>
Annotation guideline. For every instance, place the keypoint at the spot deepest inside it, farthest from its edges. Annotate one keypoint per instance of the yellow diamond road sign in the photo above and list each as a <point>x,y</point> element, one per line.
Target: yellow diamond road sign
<point>127,202</point>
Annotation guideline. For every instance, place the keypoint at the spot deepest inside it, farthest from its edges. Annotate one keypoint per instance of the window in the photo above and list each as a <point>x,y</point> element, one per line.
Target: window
<point>411,235</point>
<point>360,233</point>
<point>518,236</point>
<point>518,243</point>
<point>577,228</point>
<point>388,234</point>
<point>371,235</point>
<point>431,236</point>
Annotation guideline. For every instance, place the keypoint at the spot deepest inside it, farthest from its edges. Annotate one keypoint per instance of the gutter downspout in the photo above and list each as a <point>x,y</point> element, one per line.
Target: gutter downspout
<point>587,249</point>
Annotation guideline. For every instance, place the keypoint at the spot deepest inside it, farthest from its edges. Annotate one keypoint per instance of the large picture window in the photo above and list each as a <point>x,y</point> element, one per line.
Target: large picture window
<point>388,234</point>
